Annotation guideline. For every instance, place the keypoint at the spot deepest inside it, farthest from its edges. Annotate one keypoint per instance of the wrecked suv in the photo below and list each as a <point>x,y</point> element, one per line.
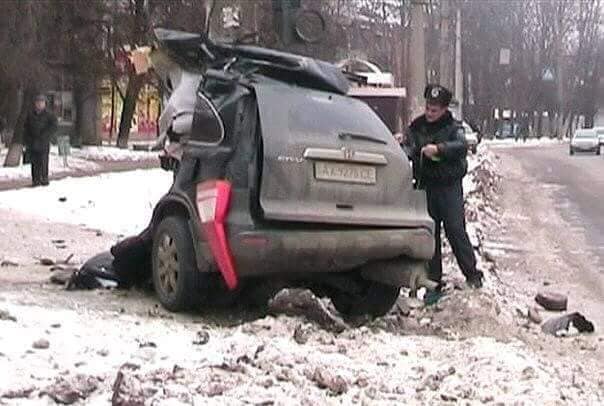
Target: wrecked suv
<point>282,180</point>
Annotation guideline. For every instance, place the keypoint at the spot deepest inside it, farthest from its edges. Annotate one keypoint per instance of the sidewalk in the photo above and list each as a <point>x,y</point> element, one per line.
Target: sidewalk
<point>83,162</point>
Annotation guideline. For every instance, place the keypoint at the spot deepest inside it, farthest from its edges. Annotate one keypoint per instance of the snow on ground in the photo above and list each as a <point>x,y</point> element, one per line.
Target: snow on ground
<point>55,167</point>
<point>201,359</point>
<point>79,160</point>
<point>164,360</point>
<point>120,203</point>
<point>112,154</point>
<point>530,142</point>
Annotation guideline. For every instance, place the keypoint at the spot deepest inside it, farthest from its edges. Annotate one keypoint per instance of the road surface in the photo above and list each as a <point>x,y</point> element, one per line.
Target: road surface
<point>553,223</point>
<point>577,185</point>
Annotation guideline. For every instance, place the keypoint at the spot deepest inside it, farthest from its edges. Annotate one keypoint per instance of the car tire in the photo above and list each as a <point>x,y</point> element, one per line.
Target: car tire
<point>178,282</point>
<point>376,300</point>
<point>598,151</point>
<point>572,151</point>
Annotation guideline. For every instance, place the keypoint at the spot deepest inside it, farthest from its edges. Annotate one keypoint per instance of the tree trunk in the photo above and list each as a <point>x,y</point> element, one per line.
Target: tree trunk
<point>540,124</point>
<point>445,46</point>
<point>86,107</point>
<point>135,83</point>
<point>112,117</point>
<point>15,150</point>
<point>417,69</point>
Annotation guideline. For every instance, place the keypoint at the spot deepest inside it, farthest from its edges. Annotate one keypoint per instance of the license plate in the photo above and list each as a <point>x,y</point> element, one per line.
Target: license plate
<point>347,173</point>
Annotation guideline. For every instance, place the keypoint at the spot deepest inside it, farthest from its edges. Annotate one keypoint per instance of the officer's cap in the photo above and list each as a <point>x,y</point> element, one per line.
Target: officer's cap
<point>437,94</point>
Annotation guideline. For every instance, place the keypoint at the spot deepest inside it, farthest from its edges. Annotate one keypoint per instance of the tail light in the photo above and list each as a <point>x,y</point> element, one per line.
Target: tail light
<point>213,200</point>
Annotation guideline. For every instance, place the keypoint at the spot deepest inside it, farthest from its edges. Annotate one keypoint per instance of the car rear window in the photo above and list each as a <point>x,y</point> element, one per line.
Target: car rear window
<point>585,134</point>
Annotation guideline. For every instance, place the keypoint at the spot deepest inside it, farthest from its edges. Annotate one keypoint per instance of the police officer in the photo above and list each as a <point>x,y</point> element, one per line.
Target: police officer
<point>437,147</point>
<point>40,125</point>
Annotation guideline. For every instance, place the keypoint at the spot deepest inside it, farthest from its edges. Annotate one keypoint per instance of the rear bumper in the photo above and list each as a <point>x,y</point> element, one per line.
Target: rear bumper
<point>292,251</point>
<point>585,148</point>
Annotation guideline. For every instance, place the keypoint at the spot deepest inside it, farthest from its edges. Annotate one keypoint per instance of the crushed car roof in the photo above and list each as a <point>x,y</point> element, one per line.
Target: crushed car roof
<point>194,49</point>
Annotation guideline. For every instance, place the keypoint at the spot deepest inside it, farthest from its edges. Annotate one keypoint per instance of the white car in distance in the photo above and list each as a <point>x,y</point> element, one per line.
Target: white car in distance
<point>585,140</point>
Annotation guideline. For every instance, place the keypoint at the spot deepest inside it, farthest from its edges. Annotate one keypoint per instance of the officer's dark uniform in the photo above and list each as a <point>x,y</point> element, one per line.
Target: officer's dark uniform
<point>441,178</point>
<point>39,127</point>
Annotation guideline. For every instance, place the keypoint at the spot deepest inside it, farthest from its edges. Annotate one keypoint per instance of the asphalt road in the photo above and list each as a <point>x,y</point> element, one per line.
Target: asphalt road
<point>577,184</point>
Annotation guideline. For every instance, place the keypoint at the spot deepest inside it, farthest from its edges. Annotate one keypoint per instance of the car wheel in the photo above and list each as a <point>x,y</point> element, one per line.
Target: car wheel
<point>177,281</point>
<point>572,151</point>
<point>375,300</point>
<point>598,151</point>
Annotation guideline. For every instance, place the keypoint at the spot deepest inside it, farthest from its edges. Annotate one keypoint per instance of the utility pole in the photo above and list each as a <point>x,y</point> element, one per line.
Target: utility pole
<point>445,47</point>
<point>417,60</point>
<point>458,72</point>
<point>559,77</point>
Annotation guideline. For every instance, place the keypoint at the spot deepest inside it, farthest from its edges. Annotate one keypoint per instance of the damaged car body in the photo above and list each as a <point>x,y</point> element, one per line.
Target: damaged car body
<point>281,180</point>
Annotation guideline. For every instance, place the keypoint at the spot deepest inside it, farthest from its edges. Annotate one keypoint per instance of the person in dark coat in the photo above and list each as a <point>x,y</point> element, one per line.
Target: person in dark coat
<point>437,147</point>
<point>40,125</point>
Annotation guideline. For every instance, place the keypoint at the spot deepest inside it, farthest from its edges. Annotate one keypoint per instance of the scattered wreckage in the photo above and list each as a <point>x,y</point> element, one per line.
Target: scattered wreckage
<point>280,180</point>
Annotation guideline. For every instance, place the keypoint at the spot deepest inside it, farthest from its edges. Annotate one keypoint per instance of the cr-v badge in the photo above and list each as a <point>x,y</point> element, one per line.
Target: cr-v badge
<point>290,159</point>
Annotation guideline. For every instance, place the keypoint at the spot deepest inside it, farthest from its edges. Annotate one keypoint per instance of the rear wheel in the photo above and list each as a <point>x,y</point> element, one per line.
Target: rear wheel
<point>598,151</point>
<point>376,299</point>
<point>177,281</point>
<point>572,151</point>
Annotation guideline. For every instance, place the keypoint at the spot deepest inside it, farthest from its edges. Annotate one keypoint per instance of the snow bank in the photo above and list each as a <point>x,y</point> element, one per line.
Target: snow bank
<point>119,203</point>
<point>530,142</point>
<point>55,167</point>
<point>81,159</point>
<point>112,154</point>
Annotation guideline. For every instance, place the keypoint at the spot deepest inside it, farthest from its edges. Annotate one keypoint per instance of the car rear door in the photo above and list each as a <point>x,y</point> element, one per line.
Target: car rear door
<point>328,158</point>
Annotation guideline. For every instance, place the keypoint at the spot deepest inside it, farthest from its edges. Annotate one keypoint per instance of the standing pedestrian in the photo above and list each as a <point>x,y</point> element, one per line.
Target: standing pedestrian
<point>437,147</point>
<point>40,125</point>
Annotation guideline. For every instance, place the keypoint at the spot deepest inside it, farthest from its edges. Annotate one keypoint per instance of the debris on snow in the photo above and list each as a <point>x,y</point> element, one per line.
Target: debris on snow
<point>20,393</point>
<point>326,379</point>
<point>5,315</point>
<point>61,277</point>
<point>41,344</point>
<point>127,390</point>
<point>68,391</point>
<point>552,301</point>
<point>534,315</point>
<point>46,262</point>
<point>202,337</point>
<point>301,302</point>
<point>302,333</point>
<point>8,263</point>
<point>561,326</point>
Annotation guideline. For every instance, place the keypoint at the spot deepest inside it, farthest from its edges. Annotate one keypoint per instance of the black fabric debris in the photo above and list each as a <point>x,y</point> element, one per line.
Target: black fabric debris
<point>555,325</point>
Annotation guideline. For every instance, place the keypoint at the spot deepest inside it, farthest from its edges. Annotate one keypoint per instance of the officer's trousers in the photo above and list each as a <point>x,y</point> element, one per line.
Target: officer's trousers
<point>446,206</point>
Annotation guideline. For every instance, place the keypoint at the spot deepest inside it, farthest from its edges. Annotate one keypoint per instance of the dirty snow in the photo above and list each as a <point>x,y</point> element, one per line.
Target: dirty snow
<point>463,350</point>
<point>119,203</point>
<point>259,361</point>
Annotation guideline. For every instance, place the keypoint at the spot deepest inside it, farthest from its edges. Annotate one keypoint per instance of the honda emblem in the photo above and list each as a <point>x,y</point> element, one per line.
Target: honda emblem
<point>348,153</point>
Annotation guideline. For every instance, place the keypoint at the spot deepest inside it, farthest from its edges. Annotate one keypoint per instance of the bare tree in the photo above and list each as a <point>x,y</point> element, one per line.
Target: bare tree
<point>23,63</point>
